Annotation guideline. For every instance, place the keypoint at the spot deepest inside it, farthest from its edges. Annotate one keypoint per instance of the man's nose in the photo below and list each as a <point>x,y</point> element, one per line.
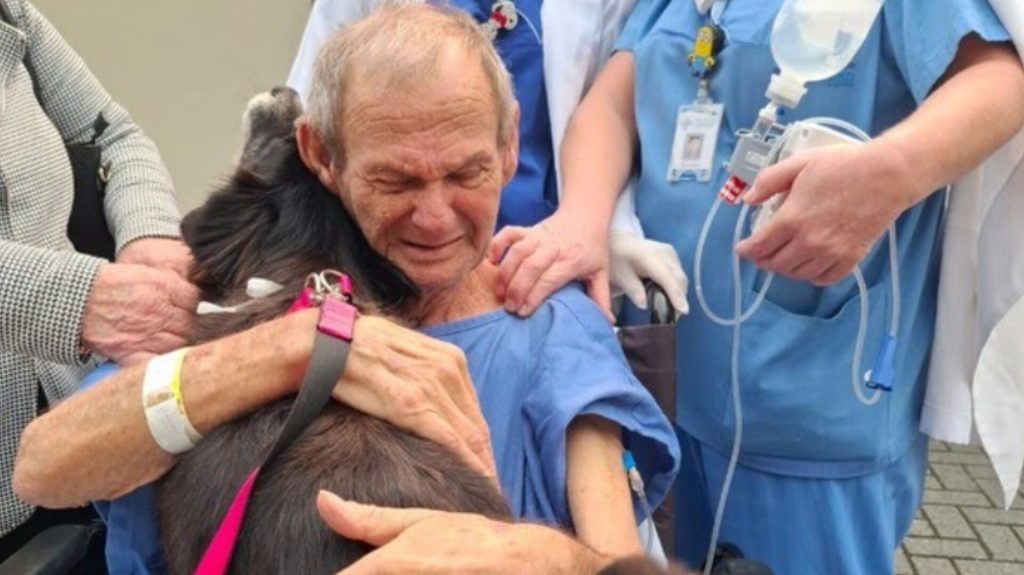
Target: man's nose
<point>433,212</point>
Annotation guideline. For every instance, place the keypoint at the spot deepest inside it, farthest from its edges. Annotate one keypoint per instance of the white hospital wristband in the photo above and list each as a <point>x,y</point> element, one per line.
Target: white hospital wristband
<point>165,410</point>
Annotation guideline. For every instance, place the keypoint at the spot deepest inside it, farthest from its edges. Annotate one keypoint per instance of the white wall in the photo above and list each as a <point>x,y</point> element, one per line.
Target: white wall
<point>185,69</point>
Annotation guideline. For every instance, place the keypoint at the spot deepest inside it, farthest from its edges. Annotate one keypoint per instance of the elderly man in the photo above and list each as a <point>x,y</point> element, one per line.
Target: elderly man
<point>412,124</point>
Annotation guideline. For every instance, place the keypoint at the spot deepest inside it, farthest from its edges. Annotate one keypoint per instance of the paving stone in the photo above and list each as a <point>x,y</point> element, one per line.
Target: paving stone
<point>981,471</point>
<point>921,528</point>
<point>949,522</point>
<point>938,446</point>
<point>989,568</point>
<point>944,548</point>
<point>1001,542</point>
<point>958,458</point>
<point>945,497</point>
<point>953,477</point>
<point>901,566</point>
<point>994,492</point>
<point>930,482</point>
<point>933,566</point>
<point>994,516</point>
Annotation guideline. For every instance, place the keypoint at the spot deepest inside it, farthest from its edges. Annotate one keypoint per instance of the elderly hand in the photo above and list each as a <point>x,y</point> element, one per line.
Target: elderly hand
<point>541,259</point>
<point>134,312</point>
<point>634,259</point>
<point>157,253</point>
<point>426,542</point>
<point>419,384</point>
<point>840,201</point>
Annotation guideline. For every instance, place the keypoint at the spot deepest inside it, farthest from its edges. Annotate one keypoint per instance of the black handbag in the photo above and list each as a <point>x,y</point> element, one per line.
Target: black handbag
<point>87,226</point>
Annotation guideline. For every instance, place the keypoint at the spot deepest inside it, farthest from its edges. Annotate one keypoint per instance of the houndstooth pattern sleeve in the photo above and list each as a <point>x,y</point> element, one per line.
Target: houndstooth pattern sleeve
<point>140,199</point>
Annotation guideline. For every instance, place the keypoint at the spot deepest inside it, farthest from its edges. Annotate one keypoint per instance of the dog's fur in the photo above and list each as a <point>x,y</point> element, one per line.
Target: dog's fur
<point>273,219</point>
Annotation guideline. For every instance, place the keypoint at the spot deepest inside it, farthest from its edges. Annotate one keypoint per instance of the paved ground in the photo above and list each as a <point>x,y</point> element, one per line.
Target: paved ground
<point>962,529</point>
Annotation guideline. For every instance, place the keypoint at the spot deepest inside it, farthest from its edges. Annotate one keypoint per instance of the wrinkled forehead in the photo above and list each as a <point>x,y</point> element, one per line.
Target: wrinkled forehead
<point>452,107</point>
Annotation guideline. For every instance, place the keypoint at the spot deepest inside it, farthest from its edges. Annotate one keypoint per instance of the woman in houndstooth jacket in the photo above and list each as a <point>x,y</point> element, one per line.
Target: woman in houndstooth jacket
<point>58,306</point>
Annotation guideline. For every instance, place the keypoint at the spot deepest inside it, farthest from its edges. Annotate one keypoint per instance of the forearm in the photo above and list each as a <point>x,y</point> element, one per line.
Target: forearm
<point>42,297</point>
<point>976,108</point>
<point>597,154</point>
<point>599,496</point>
<point>97,444</point>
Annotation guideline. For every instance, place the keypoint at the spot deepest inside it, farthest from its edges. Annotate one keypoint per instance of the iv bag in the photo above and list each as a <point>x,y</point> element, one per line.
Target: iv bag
<point>815,39</point>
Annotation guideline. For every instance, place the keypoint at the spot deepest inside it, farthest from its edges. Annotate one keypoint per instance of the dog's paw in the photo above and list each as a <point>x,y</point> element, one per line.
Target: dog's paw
<point>269,116</point>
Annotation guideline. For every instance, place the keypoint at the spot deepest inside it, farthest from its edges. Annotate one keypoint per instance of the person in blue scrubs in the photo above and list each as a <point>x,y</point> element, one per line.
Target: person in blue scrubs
<point>532,194</point>
<point>824,483</point>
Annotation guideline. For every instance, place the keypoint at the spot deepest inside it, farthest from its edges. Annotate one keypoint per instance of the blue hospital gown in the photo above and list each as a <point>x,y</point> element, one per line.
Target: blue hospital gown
<point>535,375</point>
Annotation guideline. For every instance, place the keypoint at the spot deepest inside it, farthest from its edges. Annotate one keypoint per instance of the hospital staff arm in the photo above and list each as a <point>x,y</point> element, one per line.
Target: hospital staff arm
<point>976,107</point>
<point>599,496</point>
<point>600,143</point>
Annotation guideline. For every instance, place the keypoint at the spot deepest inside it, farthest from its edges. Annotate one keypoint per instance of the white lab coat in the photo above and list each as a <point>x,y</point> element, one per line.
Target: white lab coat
<point>976,378</point>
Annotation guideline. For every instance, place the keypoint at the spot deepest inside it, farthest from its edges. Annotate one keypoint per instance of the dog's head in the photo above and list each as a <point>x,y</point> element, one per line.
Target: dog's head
<point>274,219</point>
<point>269,117</point>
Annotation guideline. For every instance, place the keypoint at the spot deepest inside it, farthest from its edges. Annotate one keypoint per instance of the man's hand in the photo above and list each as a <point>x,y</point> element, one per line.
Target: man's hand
<point>426,542</point>
<point>134,312</point>
<point>840,201</point>
<point>157,253</point>
<point>419,384</point>
<point>541,259</point>
<point>634,259</point>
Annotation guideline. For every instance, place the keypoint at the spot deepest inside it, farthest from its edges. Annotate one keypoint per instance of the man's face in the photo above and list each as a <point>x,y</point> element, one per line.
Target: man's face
<point>423,170</point>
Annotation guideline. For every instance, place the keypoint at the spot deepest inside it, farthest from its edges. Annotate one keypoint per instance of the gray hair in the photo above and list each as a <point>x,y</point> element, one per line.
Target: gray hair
<point>400,40</point>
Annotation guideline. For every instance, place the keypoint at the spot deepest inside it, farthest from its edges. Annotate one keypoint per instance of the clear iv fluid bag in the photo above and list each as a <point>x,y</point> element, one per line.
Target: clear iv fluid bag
<point>815,39</point>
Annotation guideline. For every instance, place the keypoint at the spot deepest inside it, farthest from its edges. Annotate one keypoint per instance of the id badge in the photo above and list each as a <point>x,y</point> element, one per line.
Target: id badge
<point>693,148</point>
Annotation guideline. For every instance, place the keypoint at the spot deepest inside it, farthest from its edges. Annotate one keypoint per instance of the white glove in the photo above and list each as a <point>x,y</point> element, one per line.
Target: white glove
<point>633,258</point>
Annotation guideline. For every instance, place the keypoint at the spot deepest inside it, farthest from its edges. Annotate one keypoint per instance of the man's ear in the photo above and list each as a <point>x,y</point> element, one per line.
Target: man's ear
<point>315,154</point>
<point>510,151</point>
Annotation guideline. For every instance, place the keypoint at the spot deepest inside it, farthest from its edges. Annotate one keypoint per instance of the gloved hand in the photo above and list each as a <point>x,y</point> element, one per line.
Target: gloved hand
<point>634,258</point>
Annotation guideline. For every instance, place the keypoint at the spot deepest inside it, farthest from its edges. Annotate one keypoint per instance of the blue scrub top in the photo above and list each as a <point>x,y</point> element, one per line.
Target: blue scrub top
<point>532,195</point>
<point>801,417</point>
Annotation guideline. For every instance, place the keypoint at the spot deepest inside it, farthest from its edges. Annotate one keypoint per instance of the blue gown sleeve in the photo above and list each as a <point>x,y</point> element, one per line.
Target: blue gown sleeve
<point>925,35</point>
<point>643,17</point>
<point>579,369</point>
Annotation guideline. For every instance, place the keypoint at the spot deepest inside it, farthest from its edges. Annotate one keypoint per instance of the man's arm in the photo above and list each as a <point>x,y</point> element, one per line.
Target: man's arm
<point>97,444</point>
<point>818,236</point>
<point>597,489</point>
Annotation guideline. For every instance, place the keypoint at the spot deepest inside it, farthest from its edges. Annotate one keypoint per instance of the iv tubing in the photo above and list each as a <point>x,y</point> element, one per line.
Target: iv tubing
<point>740,316</point>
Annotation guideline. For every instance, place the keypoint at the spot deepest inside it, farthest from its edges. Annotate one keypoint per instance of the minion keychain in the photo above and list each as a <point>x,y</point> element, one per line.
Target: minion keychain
<point>699,123</point>
<point>705,49</point>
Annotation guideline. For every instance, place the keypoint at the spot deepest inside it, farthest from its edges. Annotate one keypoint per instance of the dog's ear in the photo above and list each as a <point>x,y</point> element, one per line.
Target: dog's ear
<point>224,234</point>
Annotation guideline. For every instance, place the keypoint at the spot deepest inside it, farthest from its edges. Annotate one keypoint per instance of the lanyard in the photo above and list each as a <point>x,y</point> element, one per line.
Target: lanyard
<point>712,8</point>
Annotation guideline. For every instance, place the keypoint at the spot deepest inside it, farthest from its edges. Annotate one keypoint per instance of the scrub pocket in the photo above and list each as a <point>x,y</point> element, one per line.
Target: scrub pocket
<point>798,400</point>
